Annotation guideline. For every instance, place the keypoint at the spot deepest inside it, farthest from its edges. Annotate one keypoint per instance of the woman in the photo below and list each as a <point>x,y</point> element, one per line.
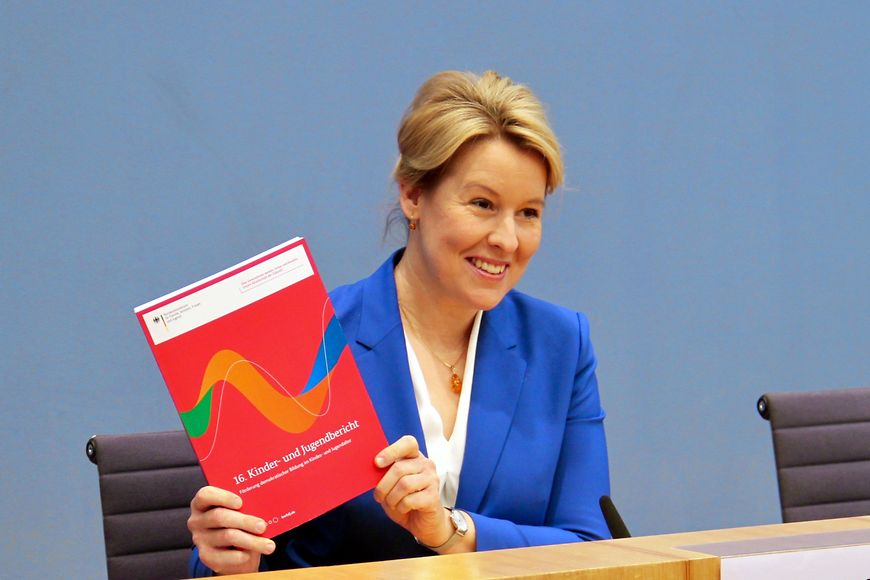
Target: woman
<point>489,395</point>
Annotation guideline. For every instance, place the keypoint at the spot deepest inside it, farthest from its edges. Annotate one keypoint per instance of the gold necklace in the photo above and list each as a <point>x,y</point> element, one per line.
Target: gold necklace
<point>455,379</point>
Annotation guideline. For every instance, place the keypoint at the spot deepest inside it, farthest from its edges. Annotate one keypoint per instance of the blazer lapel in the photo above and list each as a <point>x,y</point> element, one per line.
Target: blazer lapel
<point>383,361</point>
<point>499,373</point>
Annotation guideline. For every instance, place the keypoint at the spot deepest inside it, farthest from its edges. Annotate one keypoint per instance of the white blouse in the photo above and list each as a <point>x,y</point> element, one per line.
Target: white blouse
<point>446,453</point>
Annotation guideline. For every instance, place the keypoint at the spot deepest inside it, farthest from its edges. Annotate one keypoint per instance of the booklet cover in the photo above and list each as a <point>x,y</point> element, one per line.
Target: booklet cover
<point>266,387</point>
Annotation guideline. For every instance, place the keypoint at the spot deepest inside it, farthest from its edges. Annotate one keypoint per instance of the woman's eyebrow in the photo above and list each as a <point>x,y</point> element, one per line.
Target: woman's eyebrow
<point>477,184</point>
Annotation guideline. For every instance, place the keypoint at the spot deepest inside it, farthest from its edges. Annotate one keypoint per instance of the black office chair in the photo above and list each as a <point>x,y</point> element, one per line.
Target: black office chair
<point>821,443</point>
<point>146,483</point>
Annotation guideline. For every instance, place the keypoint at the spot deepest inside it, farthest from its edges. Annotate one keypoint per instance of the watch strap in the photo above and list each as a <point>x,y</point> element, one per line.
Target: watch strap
<point>460,527</point>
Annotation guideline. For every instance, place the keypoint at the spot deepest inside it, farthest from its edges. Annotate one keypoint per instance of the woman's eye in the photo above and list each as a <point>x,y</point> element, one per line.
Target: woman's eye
<point>482,203</point>
<point>531,213</point>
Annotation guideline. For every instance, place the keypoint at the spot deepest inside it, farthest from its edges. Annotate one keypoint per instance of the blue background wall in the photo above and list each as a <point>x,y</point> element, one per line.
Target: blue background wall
<point>714,226</point>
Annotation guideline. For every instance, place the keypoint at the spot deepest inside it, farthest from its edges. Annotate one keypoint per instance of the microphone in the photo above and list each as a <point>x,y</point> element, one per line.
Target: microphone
<point>611,517</point>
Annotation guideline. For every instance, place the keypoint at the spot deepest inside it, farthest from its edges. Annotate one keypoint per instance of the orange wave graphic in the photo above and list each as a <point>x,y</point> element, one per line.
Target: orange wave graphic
<point>292,414</point>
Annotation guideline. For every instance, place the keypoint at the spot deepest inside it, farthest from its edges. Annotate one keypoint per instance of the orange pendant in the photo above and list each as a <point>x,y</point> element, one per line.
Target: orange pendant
<point>456,383</point>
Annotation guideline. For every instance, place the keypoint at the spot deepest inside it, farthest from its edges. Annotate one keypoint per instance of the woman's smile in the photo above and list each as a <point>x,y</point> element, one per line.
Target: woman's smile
<point>489,268</point>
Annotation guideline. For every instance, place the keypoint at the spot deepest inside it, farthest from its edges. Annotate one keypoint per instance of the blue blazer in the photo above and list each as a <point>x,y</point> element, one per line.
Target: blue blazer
<point>535,461</point>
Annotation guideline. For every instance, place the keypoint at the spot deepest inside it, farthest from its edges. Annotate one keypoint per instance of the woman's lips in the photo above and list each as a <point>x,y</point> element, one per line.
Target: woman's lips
<point>490,268</point>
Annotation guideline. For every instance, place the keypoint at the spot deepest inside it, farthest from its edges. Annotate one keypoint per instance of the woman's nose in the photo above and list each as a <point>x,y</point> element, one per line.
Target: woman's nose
<point>504,235</point>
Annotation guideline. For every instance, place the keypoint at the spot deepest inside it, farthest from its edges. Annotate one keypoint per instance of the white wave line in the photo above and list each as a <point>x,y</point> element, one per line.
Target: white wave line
<point>275,380</point>
<point>325,358</point>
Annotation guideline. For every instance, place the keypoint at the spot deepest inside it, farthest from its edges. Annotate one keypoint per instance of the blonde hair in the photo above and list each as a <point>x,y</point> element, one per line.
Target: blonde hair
<point>454,108</point>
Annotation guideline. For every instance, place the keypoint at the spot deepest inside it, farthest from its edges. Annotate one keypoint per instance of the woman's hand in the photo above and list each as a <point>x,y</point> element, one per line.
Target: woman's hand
<point>410,493</point>
<point>227,539</point>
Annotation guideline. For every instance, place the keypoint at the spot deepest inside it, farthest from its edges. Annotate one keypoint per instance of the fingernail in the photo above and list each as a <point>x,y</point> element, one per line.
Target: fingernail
<point>237,502</point>
<point>380,461</point>
<point>270,547</point>
<point>260,527</point>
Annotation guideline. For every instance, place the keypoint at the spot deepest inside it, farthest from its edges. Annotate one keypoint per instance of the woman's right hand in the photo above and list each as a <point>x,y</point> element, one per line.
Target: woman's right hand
<point>228,540</point>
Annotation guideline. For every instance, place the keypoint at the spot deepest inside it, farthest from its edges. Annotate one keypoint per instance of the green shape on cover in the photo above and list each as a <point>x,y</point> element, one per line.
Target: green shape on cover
<point>196,420</point>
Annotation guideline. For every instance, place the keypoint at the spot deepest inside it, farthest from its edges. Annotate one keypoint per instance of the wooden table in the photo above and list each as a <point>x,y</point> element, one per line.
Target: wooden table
<point>648,558</point>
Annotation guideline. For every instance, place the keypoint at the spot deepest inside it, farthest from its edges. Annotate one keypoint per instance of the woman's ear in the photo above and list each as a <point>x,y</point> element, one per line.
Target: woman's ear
<point>409,199</point>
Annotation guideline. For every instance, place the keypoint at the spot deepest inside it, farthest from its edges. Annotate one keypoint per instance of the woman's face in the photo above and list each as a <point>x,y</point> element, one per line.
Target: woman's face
<point>479,227</point>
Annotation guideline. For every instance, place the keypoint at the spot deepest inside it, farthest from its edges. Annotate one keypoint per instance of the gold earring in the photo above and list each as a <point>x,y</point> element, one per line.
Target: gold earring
<point>412,225</point>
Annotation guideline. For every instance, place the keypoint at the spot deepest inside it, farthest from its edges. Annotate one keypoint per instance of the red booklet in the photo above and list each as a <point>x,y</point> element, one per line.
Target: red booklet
<point>266,386</point>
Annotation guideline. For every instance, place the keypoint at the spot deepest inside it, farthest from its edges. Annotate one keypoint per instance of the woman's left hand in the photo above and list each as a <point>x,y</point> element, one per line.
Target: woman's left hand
<point>410,494</point>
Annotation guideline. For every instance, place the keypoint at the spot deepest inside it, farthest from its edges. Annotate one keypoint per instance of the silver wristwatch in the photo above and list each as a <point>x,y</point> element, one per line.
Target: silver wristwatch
<point>460,528</point>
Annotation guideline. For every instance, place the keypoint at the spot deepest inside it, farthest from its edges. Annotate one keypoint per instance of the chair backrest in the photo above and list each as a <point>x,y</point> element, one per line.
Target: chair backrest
<point>146,483</point>
<point>821,442</point>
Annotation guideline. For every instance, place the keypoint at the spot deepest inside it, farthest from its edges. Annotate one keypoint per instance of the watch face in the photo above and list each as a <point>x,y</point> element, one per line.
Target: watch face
<point>459,522</point>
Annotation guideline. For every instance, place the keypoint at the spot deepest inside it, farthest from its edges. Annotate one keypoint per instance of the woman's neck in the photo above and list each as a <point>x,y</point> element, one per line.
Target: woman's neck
<point>441,324</point>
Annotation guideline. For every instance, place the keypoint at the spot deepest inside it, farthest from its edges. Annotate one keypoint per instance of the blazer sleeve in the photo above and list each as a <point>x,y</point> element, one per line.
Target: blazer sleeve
<point>581,476</point>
